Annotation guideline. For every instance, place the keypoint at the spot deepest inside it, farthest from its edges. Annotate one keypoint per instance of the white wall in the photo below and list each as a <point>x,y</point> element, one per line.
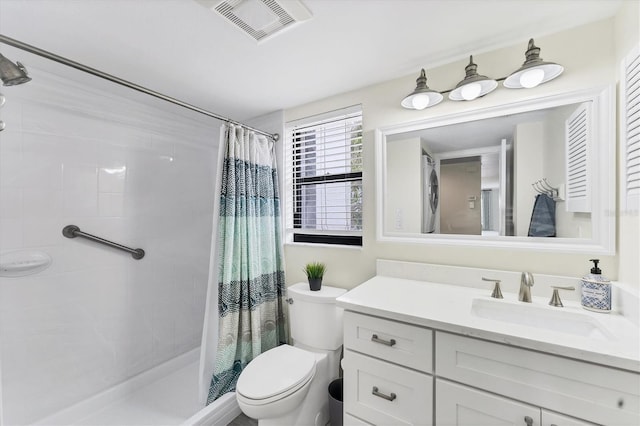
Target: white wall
<point>528,159</point>
<point>81,151</point>
<point>404,210</point>
<point>588,55</point>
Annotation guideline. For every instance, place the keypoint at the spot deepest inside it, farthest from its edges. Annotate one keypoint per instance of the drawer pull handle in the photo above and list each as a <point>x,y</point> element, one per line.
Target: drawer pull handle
<point>376,339</point>
<point>528,420</point>
<point>383,396</point>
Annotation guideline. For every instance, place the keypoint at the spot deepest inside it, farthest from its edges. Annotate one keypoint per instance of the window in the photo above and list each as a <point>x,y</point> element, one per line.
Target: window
<point>324,181</point>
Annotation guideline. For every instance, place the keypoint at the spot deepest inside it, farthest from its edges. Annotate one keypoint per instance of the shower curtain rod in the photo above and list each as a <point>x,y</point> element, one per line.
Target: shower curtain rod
<point>68,62</point>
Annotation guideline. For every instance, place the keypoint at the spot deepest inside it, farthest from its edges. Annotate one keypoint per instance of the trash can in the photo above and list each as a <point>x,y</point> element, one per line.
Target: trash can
<point>335,402</point>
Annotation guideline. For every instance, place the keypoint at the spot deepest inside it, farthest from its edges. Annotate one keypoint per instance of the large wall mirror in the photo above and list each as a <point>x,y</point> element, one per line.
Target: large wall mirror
<point>537,174</point>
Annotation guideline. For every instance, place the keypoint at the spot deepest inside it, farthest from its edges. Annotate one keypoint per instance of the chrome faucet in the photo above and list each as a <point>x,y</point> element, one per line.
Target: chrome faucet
<point>526,282</point>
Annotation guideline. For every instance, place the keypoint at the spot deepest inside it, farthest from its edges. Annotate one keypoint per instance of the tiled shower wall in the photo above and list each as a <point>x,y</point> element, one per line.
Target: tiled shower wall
<point>134,171</point>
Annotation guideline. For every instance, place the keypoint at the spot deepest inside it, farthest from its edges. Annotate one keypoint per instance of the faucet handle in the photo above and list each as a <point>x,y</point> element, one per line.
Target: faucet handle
<point>555,297</point>
<point>496,293</point>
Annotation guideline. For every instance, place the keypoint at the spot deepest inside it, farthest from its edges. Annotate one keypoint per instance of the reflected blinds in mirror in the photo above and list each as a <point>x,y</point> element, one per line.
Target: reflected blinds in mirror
<point>577,149</point>
<point>630,91</point>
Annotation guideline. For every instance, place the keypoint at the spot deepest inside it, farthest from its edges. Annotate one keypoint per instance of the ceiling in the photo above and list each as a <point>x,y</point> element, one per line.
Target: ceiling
<point>186,51</point>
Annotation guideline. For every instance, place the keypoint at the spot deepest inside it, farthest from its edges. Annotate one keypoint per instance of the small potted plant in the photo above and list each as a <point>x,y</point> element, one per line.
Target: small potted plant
<point>314,272</point>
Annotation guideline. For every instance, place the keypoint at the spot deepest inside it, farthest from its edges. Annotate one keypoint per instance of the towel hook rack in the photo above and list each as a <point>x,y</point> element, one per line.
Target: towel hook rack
<point>543,186</point>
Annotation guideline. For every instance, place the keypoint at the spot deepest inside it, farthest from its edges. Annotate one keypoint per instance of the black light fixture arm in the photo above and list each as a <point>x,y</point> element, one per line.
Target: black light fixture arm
<point>450,90</point>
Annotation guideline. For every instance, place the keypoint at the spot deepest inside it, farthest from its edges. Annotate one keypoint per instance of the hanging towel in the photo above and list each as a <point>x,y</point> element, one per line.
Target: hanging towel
<point>543,218</point>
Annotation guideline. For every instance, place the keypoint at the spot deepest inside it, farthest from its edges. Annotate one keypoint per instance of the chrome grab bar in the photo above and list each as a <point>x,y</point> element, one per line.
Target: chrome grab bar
<point>72,231</point>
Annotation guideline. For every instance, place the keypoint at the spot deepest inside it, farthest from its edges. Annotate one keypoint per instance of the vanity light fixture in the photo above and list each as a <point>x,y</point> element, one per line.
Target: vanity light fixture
<point>532,73</point>
<point>422,97</point>
<point>473,85</point>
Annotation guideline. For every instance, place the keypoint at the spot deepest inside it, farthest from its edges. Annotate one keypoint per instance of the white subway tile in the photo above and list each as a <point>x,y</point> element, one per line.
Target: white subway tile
<point>112,179</point>
<point>111,204</point>
<point>10,203</point>
<point>80,203</point>
<point>10,234</point>
<point>42,203</point>
<point>80,178</point>
<point>11,170</point>
<point>40,172</point>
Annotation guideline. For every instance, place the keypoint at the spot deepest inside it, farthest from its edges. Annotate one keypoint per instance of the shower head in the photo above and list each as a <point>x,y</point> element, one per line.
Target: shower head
<point>12,74</point>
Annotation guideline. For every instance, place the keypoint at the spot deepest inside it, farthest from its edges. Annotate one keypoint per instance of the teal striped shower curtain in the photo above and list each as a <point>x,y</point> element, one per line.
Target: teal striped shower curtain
<point>251,288</point>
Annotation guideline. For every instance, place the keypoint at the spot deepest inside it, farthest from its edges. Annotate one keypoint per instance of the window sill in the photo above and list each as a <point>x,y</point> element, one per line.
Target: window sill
<point>323,246</point>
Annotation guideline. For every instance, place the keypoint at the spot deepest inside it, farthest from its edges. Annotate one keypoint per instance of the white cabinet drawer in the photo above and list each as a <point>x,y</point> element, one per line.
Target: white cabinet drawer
<point>592,392</point>
<point>555,419</point>
<point>392,341</point>
<point>458,405</point>
<point>386,394</point>
<point>349,420</point>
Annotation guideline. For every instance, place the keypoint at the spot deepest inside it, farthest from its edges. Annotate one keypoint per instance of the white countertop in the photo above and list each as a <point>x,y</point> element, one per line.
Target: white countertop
<point>449,308</point>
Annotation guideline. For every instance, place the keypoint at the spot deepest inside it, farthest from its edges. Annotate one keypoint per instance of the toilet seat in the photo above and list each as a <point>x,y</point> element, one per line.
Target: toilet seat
<point>275,374</point>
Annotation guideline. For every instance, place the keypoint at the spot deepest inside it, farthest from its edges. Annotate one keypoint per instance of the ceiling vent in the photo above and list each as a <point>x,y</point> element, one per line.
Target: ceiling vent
<point>260,18</point>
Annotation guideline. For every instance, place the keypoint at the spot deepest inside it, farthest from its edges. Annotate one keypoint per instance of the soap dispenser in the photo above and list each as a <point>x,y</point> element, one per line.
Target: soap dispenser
<point>596,290</point>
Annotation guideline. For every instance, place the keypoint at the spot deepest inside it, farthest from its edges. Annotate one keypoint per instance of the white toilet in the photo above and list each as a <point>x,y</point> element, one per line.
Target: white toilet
<point>287,385</point>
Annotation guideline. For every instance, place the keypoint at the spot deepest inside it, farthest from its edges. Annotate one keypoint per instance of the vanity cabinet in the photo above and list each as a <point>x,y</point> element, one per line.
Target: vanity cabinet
<point>550,418</point>
<point>387,368</point>
<point>397,373</point>
<point>465,406</point>
<point>595,393</point>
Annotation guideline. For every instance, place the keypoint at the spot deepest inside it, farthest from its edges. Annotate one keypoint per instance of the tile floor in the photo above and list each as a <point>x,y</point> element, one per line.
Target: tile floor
<point>243,420</point>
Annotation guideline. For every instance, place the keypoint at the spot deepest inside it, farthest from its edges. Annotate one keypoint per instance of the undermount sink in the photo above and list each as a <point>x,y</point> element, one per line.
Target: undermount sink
<point>542,317</point>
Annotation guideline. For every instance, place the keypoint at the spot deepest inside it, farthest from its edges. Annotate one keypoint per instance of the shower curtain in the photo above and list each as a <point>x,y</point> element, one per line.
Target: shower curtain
<point>251,288</point>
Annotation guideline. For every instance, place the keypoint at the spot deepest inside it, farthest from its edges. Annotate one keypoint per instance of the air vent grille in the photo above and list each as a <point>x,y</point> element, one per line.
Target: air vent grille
<point>258,18</point>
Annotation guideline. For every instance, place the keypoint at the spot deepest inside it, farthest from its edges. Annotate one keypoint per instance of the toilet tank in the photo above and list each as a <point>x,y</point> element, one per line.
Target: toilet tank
<point>314,318</point>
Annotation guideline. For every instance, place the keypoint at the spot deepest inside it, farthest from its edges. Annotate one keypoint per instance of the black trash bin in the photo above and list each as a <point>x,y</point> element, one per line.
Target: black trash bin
<point>335,402</point>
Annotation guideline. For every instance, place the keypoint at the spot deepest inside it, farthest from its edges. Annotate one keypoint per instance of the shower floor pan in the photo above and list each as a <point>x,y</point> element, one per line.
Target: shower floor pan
<point>165,395</point>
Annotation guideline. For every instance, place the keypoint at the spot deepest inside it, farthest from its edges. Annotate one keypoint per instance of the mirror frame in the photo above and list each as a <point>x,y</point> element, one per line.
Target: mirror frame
<point>602,163</point>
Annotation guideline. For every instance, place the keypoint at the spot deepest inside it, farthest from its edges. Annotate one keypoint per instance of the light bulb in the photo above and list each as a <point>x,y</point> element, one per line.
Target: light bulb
<point>420,101</point>
<point>532,78</point>
<point>470,91</point>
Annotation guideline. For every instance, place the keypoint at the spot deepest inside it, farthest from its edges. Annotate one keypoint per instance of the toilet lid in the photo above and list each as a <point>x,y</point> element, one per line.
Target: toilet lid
<point>276,372</point>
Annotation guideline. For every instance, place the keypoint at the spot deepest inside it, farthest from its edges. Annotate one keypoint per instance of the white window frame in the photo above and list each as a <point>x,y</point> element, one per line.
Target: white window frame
<point>294,232</point>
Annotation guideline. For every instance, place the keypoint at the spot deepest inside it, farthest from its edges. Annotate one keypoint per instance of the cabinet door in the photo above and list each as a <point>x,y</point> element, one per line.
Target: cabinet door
<point>463,406</point>
<point>349,420</point>
<point>554,419</point>
<point>599,394</point>
<point>382,393</point>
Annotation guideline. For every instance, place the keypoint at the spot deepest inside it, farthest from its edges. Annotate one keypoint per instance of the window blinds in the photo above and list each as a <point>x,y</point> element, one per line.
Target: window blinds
<point>325,155</point>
